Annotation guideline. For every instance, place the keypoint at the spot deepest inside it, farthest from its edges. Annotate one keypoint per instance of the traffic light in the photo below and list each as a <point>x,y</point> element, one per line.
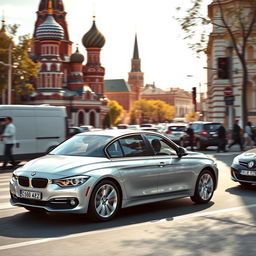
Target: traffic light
<point>194,95</point>
<point>223,68</point>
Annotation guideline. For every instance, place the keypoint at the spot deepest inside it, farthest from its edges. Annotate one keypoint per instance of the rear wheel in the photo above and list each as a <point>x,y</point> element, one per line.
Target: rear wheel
<point>204,188</point>
<point>105,201</point>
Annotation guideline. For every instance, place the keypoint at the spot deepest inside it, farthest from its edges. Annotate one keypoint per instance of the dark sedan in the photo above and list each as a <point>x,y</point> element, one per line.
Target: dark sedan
<point>243,168</point>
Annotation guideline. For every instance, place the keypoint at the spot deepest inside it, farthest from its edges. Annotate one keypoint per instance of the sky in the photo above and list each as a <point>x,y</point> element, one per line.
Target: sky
<point>165,57</point>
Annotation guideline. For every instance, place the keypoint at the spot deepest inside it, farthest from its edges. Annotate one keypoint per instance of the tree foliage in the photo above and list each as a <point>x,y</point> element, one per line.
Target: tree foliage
<point>238,25</point>
<point>155,111</point>
<point>114,114</point>
<point>192,116</point>
<point>23,68</point>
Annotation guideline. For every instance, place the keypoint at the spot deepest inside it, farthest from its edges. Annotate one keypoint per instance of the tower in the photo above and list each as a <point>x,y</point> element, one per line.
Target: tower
<point>48,36</point>
<point>93,72</point>
<point>135,76</point>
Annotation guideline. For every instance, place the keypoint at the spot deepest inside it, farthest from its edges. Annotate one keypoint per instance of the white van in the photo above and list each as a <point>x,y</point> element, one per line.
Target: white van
<point>39,128</point>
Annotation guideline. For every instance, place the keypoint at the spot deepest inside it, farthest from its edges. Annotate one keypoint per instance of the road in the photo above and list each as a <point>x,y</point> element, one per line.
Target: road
<point>226,226</point>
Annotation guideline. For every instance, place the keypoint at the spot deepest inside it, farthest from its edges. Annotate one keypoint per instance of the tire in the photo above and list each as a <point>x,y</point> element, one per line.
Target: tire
<point>199,145</point>
<point>182,143</point>
<point>204,187</point>
<point>245,184</point>
<point>105,201</point>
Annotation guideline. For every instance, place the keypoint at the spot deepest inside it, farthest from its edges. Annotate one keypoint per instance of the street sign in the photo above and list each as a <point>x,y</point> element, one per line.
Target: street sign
<point>229,100</point>
<point>228,91</point>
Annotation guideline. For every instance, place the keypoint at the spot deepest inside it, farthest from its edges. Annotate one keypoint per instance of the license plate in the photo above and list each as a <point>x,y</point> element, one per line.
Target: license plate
<point>31,194</point>
<point>248,173</point>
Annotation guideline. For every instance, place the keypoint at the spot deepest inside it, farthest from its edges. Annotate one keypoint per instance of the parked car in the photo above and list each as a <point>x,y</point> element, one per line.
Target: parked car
<point>122,126</point>
<point>100,172</point>
<point>87,128</point>
<point>175,131</point>
<point>74,130</point>
<point>243,168</point>
<point>205,135</point>
<point>146,125</point>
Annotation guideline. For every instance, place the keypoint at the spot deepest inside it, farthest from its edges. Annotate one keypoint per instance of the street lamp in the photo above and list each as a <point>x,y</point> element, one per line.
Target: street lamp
<point>230,48</point>
<point>9,65</point>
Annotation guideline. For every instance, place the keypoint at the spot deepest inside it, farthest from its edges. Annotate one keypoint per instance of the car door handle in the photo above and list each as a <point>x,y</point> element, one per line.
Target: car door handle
<point>162,164</point>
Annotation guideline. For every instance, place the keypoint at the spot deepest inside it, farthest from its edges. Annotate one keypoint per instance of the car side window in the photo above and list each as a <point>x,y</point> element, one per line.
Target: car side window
<point>160,146</point>
<point>114,150</point>
<point>134,146</point>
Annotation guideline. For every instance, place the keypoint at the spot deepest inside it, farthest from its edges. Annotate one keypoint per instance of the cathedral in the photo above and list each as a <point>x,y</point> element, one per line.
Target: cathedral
<point>63,79</point>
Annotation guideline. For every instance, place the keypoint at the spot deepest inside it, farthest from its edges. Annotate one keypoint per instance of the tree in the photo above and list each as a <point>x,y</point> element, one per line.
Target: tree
<point>238,25</point>
<point>155,111</point>
<point>192,116</point>
<point>114,114</point>
<point>23,68</point>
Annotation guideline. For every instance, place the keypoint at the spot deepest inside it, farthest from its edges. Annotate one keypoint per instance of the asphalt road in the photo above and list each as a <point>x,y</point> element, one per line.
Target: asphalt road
<point>226,226</point>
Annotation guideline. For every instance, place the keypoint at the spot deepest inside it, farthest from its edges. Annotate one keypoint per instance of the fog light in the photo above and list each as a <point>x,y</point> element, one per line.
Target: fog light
<point>72,202</point>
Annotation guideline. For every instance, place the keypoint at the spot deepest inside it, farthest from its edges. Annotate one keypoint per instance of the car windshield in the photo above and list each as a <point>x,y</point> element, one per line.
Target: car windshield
<point>211,127</point>
<point>83,145</point>
<point>177,128</point>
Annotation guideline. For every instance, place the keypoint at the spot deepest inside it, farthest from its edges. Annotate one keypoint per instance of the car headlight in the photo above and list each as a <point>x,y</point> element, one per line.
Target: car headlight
<point>71,181</point>
<point>14,177</point>
<point>236,160</point>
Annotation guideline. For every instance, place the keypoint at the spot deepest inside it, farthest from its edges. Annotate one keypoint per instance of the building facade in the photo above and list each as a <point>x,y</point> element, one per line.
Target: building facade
<point>63,79</point>
<point>219,45</point>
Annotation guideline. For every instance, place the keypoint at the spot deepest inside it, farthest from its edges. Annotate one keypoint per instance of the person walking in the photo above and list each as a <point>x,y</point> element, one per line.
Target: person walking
<point>236,136</point>
<point>248,135</point>
<point>8,137</point>
<point>190,133</point>
<point>222,138</point>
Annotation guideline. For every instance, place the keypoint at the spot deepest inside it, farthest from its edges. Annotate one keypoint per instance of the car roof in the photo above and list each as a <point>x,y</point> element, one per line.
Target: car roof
<point>117,133</point>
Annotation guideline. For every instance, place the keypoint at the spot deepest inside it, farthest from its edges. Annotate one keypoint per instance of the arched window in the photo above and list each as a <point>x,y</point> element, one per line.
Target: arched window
<point>250,53</point>
<point>44,67</point>
<point>92,118</point>
<point>80,118</point>
<point>54,67</point>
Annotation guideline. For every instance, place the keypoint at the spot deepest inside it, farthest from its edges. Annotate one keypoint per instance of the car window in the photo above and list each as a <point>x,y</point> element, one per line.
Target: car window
<point>133,146</point>
<point>211,127</point>
<point>83,146</point>
<point>177,128</point>
<point>160,146</point>
<point>196,127</point>
<point>114,150</point>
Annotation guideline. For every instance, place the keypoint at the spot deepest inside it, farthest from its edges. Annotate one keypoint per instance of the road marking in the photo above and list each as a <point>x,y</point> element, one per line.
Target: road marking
<point>45,240</point>
<point>5,197</point>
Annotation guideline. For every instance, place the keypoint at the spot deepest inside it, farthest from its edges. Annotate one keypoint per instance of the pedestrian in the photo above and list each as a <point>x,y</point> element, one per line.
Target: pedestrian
<point>8,137</point>
<point>190,133</point>
<point>248,136</point>
<point>222,138</point>
<point>236,136</point>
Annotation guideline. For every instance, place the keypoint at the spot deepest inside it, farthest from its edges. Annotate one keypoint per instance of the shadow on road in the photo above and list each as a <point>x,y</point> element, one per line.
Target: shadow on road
<point>27,225</point>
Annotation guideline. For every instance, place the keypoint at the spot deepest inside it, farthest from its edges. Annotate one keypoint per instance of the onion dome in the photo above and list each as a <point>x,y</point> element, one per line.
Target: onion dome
<point>93,38</point>
<point>57,5</point>
<point>3,35</point>
<point>50,30</point>
<point>77,57</point>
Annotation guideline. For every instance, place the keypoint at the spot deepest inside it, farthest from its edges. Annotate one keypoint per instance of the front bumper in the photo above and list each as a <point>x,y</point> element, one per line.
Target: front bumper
<point>54,198</point>
<point>238,177</point>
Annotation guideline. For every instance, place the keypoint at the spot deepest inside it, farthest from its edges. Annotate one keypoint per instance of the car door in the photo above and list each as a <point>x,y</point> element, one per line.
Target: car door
<point>136,165</point>
<point>174,173</point>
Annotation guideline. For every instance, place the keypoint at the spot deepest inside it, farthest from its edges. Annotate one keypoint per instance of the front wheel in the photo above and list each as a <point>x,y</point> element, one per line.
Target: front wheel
<point>204,188</point>
<point>105,201</point>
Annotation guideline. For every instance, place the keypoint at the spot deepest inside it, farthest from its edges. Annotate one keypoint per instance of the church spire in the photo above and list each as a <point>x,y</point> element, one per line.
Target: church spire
<point>136,58</point>
<point>136,50</point>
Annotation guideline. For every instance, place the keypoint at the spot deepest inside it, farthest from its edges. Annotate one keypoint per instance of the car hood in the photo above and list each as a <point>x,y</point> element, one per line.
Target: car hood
<point>64,165</point>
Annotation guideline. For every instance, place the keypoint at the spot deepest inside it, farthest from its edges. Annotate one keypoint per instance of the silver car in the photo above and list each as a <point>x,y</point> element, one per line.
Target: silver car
<point>100,172</point>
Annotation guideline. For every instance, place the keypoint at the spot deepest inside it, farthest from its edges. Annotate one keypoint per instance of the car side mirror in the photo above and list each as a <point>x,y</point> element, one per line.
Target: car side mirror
<point>182,152</point>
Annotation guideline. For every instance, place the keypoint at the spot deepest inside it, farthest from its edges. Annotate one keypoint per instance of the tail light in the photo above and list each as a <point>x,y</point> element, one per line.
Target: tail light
<point>168,132</point>
<point>204,132</point>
